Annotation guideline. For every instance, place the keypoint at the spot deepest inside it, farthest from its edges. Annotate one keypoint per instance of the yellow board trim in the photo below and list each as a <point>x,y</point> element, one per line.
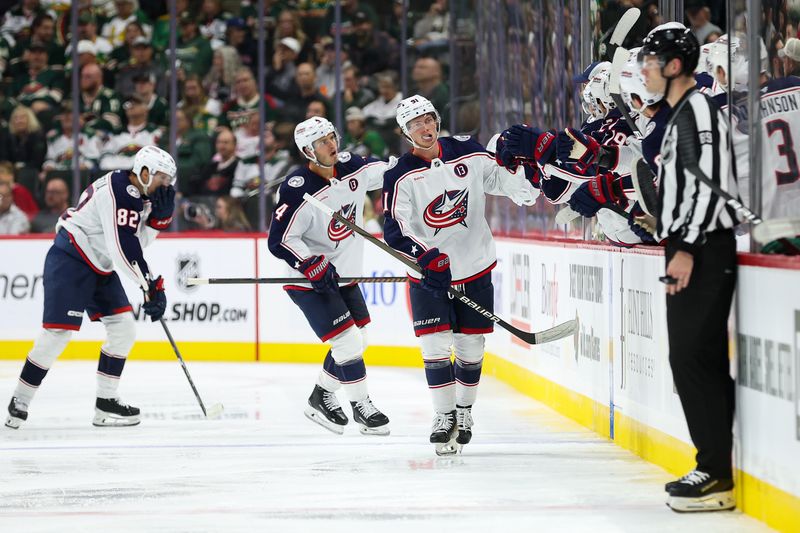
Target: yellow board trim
<point>775,507</point>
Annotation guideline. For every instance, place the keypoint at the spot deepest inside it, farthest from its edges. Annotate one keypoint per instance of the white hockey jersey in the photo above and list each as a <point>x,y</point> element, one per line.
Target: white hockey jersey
<point>780,151</point>
<point>441,203</point>
<point>120,148</point>
<point>299,230</point>
<point>106,227</point>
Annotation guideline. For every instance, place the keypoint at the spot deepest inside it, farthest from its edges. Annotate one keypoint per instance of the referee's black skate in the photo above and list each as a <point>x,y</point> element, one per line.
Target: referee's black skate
<point>110,412</point>
<point>324,409</point>
<point>697,492</point>
<point>17,413</point>
<point>465,422</point>
<point>444,433</point>
<point>369,419</point>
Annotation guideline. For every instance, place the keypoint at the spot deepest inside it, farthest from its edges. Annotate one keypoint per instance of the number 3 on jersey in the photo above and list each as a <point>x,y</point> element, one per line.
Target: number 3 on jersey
<point>126,217</point>
<point>785,149</point>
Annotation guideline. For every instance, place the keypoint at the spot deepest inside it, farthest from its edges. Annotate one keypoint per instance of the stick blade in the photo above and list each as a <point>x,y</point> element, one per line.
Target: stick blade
<point>624,26</point>
<point>566,215</point>
<point>644,184</point>
<point>196,281</point>
<point>779,228</point>
<point>214,412</point>
<point>555,333</point>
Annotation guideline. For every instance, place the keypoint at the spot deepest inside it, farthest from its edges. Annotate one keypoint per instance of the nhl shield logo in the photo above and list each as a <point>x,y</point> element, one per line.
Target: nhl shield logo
<point>187,266</point>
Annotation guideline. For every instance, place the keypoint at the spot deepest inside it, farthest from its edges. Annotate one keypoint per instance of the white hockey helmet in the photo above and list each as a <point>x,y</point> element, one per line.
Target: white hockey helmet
<point>412,107</point>
<point>589,106</point>
<point>154,159</point>
<point>631,83</point>
<point>718,58</point>
<point>599,88</point>
<point>311,130</point>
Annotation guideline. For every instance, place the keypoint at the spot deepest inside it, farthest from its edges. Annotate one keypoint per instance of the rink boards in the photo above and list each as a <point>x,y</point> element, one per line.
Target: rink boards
<point>613,375</point>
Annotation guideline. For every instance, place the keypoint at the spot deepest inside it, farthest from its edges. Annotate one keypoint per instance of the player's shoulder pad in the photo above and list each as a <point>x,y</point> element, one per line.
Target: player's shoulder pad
<point>400,166</point>
<point>460,145</point>
<point>126,194</point>
<point>704,79</point>
<point>295,186</point>
<point>780,84</point>
<point>348,163</point>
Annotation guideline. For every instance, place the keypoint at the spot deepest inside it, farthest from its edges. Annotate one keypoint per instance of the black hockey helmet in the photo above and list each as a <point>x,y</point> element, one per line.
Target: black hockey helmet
<point>670,43</point>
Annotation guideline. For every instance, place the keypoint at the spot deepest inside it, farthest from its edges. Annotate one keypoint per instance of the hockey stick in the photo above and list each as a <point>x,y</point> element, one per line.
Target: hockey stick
<point>269,281</point>
<point>558,332</point>
<point>624,26</point>
<point>215,411</point>
<point>267,187</point>
<point>779,228</point>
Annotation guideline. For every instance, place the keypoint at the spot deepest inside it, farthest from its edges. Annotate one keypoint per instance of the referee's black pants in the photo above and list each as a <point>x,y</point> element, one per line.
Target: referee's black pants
<point>697,321</point>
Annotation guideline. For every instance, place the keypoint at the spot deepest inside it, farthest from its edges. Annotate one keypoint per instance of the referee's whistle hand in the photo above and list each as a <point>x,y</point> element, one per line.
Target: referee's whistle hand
<point>680,268</point>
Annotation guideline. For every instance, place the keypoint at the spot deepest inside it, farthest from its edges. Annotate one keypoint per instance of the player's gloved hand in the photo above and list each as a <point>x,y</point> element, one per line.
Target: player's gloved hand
<point>321,273</point>
<point>505,157</point>
<point>530,143</point>
<point>639,225</point>
<point>156,303</point>
<point>436,276</point>
<point>163,206</point>
<point>590,196</point>
<point>578,149</point>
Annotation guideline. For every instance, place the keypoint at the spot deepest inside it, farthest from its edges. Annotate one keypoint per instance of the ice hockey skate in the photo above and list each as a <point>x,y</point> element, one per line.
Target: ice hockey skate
<point>324,409</point>
<point>444,433</point>
<point>699,492</point>
<point>17,413</point>
<point>465,422</point>
<point>112,412</point>
<point>369,419</point>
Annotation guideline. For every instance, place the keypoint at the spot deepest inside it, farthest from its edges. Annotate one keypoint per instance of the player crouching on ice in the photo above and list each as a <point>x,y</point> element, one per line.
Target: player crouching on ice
<point>117,215</point>
<point>311,243</point>
<point>435,202</point>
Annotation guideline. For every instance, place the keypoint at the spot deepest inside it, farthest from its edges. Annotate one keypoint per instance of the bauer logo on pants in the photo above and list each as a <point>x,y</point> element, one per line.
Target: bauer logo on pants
<point>187,266</point>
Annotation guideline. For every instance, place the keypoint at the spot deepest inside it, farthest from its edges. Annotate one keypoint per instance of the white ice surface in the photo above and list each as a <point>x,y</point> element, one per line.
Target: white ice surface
<point>265,467</point>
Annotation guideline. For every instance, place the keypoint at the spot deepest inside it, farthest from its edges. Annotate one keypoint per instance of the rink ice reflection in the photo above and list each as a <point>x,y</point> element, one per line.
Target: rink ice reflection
<point>265,467</point>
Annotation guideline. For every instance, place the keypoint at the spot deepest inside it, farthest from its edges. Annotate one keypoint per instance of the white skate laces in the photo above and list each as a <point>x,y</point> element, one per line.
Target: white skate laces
<point>330,401</point>
<point>464,417</point>
<point>442,421</point>
<point>366,407</point>
<point>695,477</point>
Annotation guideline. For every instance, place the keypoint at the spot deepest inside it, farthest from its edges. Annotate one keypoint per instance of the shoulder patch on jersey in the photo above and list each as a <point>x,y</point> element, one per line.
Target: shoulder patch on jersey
<point>133,191</point>
<point>296,181</point>
<point>649,128</point>
<point>392,162</point>
<point>344,157</point>
<point>462,138</point>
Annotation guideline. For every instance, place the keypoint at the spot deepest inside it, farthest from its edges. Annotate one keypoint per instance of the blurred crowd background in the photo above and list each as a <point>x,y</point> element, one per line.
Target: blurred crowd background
<point>485,64</point>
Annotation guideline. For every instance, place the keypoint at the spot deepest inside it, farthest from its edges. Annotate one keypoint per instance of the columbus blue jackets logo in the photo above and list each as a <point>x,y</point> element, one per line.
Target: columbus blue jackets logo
<point>447,209</point>
<point>187,266</point>
<point>338,231</point>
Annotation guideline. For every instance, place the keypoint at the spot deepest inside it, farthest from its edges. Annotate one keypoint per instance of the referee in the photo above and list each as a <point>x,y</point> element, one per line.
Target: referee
<point>697,226</point>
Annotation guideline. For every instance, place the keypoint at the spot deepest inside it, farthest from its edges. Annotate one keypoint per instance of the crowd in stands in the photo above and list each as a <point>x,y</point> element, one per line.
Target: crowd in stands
<point>124,69</point>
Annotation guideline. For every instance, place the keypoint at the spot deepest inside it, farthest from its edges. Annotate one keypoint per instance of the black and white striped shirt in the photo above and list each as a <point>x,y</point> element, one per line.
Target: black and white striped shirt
<point>696,140</point>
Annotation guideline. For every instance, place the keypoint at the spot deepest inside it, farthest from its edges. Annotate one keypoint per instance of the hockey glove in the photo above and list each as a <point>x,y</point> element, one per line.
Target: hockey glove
<point>578,149</point>
<point>156,302</point>
<point>163,205</point>
<point>530,143</point>
<point>436,276</point>
<point>639,225</point>
<point>321,273</point>
<point>590,196</point>
<point>504,157</point>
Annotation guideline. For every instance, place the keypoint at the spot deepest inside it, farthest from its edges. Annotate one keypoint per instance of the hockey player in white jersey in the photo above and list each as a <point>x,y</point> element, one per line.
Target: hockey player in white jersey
<point>116,217</point>
<point>322,249</point>
<point>434,199</point>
